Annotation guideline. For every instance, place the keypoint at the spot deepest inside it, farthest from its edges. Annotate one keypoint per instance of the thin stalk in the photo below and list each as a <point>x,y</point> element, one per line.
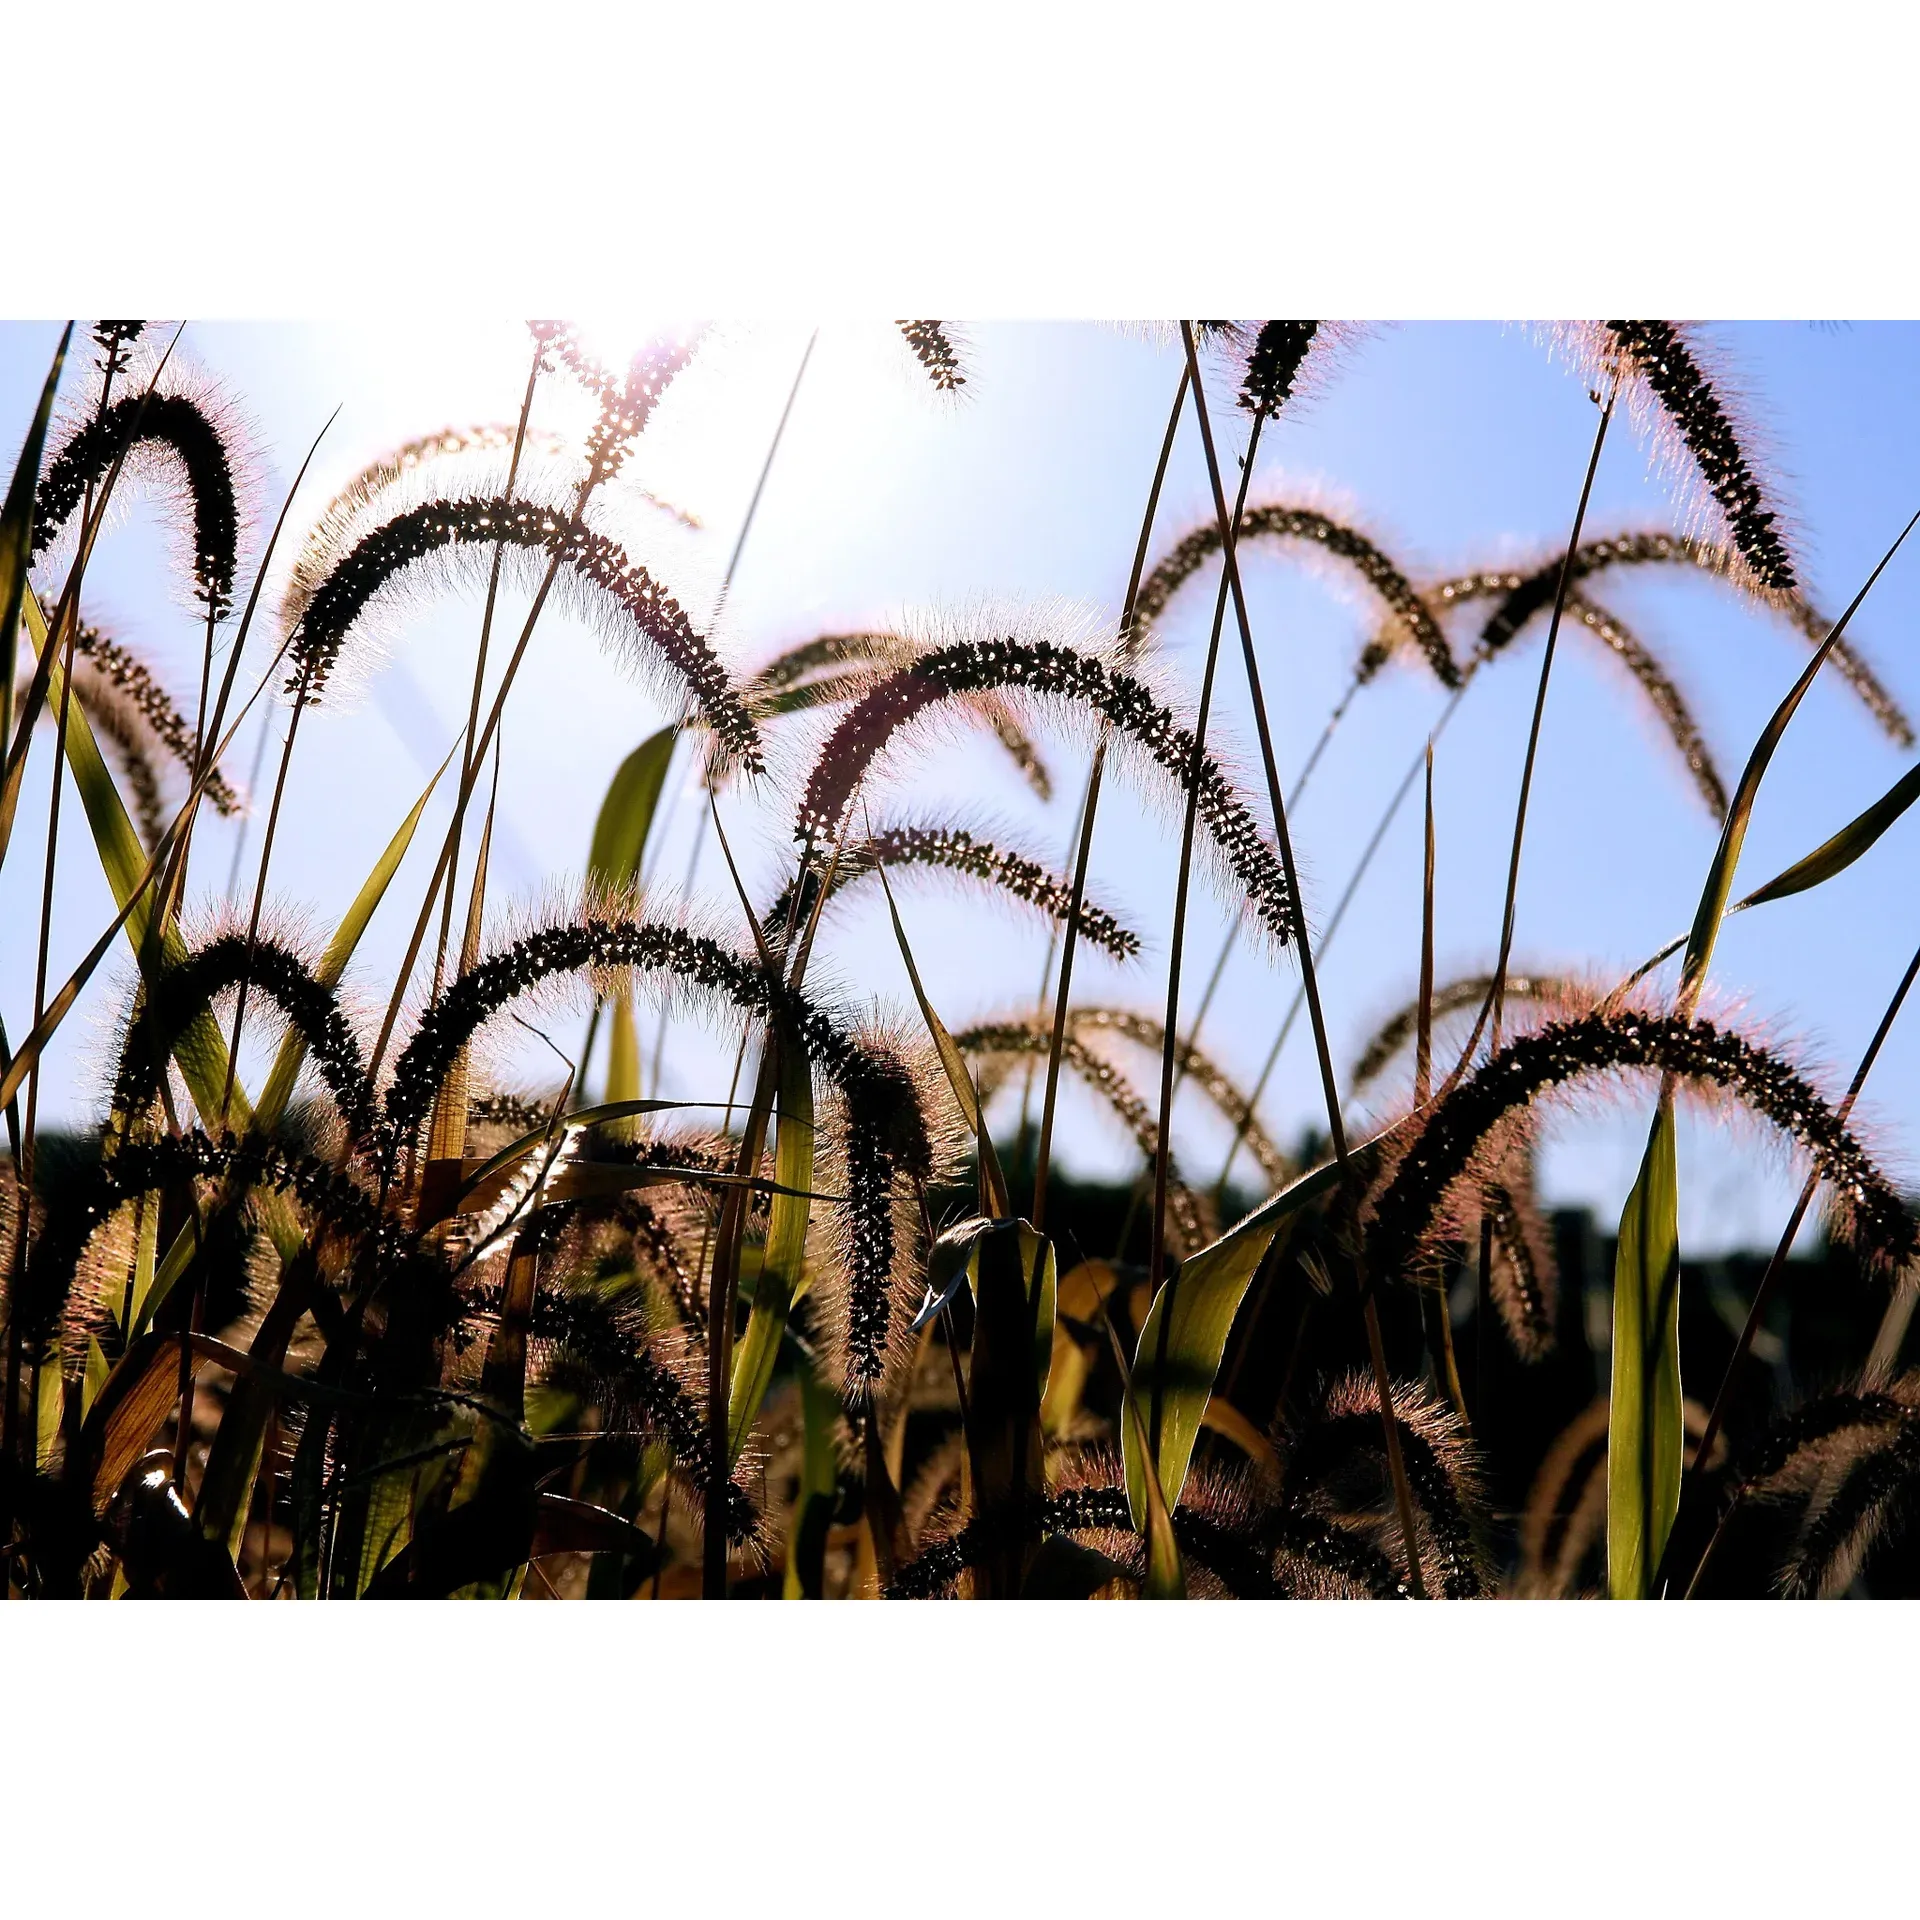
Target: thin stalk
<point>1170,1047</point>
<point>259,898</point>
<point>1402,1494</point>
<point>480,675</point>
<point>1232,941</point>
<point>1063,993</point>
<point>253,787</point>
<point>1494,1005</point>
<point>1496,996</point>
<point>760,485</point>
<point>1446,1365</point>
<point>719,604</point>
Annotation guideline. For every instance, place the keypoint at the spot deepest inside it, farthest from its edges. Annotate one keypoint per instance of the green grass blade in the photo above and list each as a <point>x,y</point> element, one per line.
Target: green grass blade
<point>1197,1309</point>
<point>1836,855</point>
<point>16,539</point>
<point>819,1485</point>
<point>1645,1437</point>
<point>626,814</point>
<point>993,1198</point>
<point>1831,857</point>
<point>1713,897</point>
<point>1166,1577</point>
<point>201,1051</point>
<point>614,860</point>
<point>783,1265</point>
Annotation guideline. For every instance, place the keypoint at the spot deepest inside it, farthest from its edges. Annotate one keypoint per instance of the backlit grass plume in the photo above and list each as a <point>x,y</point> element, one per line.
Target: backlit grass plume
<point>1661,693</point>
<point>627,397</point>
<point>886,1130</point>
<point>115,676</point>
<point>1466,994</point>
<point>634,608</point>
<point>1251,1551</point>
<point>957,850</point>
<point>123,730</point>
<point>1854,1456</point>
<point>1274,360</point>
<point>1663,366</point>
<point>1522,594</point>
<point>415,464</point>
<point>184,439</point>
<point>1006,1040</point>
<point>835,669</point>
<point>1335,1463</point>
<point>1524,1282</point>
<point>1283,523</point>
<point>145,1166</point>
<point>272,972</point>
<point>1864,1208</point>
<point>1062,679</point>
<point>600,1347</point>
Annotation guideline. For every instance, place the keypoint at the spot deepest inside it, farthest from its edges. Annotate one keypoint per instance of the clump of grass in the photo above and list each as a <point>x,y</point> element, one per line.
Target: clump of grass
<point>576,1337</point>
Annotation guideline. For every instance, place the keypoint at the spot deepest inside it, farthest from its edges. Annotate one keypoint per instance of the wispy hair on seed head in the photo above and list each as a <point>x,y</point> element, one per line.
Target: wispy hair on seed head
<point>1320,533</point>
<point>1330,1458</point>
<point>1686,406</point>
<point>596,579</point>
<point>1075,686</point>
<point>187,443</point>
<point>1005,874</point>
<point>1864,1207</point>
<point>1525,591</point>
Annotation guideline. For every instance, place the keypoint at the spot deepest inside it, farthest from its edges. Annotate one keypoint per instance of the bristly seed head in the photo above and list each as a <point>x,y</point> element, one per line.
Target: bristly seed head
<point>1864,1206</point>
<point>1278,521</point>
<point>887,1132</point>
<point>1274,362</point>
<point>411,537</point>
<point>957,850</point>
<point>1050,672</point>
<point>1657,350</point>
<point>177,425</point>
<point>932,343</point>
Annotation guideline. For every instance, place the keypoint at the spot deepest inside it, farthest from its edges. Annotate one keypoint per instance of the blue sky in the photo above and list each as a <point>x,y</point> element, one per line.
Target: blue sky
<point>1455,444</point>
